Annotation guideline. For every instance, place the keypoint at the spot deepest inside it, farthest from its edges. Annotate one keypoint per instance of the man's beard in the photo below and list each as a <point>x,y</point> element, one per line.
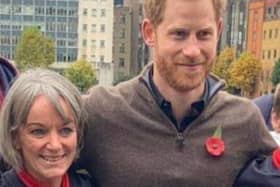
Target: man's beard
<point>179,80</point>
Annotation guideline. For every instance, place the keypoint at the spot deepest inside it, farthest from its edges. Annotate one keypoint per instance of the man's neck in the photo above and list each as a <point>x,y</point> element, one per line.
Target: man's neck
<point>180,101</point>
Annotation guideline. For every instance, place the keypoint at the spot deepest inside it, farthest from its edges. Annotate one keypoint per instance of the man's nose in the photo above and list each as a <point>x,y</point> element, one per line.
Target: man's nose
<point>191,47</point>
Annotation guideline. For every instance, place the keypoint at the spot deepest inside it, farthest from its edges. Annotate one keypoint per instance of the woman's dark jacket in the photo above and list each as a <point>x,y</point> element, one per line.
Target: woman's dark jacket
<point>10,179</point>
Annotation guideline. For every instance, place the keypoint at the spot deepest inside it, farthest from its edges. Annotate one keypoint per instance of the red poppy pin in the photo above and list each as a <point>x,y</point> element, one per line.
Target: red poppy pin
<point>276,158</point>
<point>215,146</point>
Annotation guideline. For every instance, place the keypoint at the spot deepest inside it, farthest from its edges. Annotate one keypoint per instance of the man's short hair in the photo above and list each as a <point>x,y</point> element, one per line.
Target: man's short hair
<point>154,9</point>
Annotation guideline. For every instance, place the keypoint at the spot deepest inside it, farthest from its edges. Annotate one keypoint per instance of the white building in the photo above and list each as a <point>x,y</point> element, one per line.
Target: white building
<point>95,36</point>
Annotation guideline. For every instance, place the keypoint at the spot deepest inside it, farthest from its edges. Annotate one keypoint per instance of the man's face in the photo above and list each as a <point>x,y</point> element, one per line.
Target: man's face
<point>185,43</point>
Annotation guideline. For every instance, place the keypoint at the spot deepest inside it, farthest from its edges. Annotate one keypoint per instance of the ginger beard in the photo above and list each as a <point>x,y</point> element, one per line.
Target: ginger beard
<point>182,78</point>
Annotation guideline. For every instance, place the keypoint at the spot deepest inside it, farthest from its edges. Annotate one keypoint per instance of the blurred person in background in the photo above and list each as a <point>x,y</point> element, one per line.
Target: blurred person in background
<point>265,103</point>
<point>275,115</point>
<point>7,73</point>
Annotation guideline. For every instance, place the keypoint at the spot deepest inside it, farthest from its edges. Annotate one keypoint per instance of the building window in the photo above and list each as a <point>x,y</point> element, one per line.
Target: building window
<point>102,43</point>
<point>93,44</point>
<point>123,19</point>
<point>276,33</point>
<point>93,12</point>
<point>241,18</point>
<point>103,12</point>
<point>239,38</point>
<point>121,64</point>
<point>122,48</point>
<point>269,10</point>
<point>264,34</point>
<point>102,28</point>
<point>101,58</point>
<point>275,53</point>
<point>268,54</point>
<point>85,11</point>
<point>84,43</point>
<point>85,27</point>
<point>93,28</point>
<point>270,33</point>
<point>122,34</point>
<point>263,54</point>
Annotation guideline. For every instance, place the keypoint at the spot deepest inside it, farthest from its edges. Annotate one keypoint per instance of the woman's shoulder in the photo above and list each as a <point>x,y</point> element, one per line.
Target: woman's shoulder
<point>80,178</point>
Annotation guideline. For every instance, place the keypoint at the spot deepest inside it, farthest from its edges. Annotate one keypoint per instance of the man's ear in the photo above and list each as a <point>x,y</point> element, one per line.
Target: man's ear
<point>220,25</point>
<point>148,32</point>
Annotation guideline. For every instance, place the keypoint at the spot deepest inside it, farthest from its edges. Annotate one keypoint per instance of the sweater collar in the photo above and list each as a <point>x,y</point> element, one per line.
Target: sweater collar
<point>30,181</point>
<point>212,85</point>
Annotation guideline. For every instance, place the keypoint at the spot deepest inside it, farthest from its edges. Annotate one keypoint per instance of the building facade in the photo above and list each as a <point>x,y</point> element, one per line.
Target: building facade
<point>271,41</point>
<point>255,27</point>
<point>140,52</point>
<point>122,43</point>
<point>57,19</point>
<point>96,37</point>
<point>235,27</point>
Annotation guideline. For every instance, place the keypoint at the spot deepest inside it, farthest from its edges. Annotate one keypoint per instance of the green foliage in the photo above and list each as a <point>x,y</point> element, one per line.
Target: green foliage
<point>276,73</point>
<point>34,50</point>
<point>245,73</point>
<point>81,74</point>
<point>223,64</point>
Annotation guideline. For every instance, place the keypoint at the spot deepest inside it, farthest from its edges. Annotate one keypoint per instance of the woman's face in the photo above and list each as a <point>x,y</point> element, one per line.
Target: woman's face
<point>48,144</point>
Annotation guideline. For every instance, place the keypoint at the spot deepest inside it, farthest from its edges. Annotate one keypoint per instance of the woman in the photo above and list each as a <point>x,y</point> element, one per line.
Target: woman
<point>41,131</point>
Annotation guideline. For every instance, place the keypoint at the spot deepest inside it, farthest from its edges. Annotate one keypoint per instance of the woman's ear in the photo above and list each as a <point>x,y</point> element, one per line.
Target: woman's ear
<point>16,141</point>
<point>148,32</point>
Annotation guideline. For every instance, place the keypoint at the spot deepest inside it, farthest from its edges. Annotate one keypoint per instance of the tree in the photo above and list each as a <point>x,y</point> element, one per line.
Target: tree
<point>245,73</point>
<point>34,50</point>
<point>276,73</point>
<point>223,64</point>
<point>81,74</point>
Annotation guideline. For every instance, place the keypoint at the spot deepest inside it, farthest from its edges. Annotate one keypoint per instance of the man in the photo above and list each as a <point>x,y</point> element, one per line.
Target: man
<point>153,130</point>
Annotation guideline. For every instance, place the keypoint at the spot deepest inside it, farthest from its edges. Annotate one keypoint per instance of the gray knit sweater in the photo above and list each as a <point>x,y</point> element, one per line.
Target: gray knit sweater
<point>130,142</point>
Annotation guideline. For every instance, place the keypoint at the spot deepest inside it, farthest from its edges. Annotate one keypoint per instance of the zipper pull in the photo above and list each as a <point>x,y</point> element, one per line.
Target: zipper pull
<point>180,140</point>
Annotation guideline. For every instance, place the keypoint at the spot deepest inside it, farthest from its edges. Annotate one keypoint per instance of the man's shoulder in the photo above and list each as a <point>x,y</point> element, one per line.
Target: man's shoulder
<point>122,88</point>
<point>228,98</point>
<point>112,95</point>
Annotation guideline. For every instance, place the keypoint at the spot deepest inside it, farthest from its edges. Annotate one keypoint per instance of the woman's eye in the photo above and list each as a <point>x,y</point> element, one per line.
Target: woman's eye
<point>66,131</point>
<point>38,132</point>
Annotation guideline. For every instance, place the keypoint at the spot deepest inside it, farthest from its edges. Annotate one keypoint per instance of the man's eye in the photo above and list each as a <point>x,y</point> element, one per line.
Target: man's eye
<point>179,34</point>
<point>66,131</point>
<point>38,132</point>
<point>204,34</point>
